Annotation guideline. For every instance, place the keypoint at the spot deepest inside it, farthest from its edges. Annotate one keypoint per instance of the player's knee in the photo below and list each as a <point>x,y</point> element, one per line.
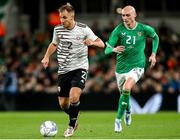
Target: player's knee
<point>74,99</point>
<point>127,88</point>
<point>74,96</point>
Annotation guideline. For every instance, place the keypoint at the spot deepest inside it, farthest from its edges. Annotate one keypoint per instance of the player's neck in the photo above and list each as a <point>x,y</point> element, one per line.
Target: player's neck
<point>132,25</point>
<point>72,25</point>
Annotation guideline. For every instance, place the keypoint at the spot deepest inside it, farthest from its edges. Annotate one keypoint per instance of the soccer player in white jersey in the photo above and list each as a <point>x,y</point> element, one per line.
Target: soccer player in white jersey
<point>70,40</point>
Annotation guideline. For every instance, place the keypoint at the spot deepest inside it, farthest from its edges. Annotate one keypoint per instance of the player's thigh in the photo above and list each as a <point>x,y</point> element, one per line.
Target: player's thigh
<point>120,80</point>
<point>79,78</point>
<point>77,84</point>
<point>135,73</point>
<point>129,83</point>
<point>64,84</point>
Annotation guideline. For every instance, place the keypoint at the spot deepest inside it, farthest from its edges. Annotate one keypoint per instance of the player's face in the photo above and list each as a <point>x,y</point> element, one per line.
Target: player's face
<point>67,19</point>
<point>128,16</point>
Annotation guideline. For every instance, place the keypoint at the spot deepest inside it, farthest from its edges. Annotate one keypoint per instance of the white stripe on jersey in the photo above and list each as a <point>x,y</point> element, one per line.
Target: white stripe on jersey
<point>71,52</point>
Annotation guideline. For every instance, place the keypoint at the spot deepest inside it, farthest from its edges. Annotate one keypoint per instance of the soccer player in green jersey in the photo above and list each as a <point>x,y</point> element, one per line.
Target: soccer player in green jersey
<point>128,40</point>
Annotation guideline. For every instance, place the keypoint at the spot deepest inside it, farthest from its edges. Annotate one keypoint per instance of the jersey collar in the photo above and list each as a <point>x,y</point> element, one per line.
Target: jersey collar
<point>132,28</point>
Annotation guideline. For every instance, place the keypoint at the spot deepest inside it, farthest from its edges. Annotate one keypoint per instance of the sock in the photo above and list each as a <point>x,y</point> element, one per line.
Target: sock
<point>128,108</point>
<point>123,104</point>
<point>73,113</point>
<point>66,110</point>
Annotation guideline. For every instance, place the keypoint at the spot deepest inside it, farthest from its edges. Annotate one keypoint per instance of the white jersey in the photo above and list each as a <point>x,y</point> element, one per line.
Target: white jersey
<point>71,52</point>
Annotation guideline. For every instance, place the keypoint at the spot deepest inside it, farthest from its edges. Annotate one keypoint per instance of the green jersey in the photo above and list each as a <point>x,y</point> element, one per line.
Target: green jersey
<point>134,41</point>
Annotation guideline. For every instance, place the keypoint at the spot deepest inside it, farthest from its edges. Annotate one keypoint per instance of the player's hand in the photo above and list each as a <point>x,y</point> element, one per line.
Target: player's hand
<point>119,49</point>
<point>45,62</point>
<point>152,59</point>
<point>88,42</point>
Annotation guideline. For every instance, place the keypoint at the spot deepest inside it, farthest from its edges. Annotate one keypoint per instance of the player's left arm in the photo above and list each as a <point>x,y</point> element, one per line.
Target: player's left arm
<point>155,43</point>
<point>111,44</point>
<point>98,42</point>
<point>92,39</point>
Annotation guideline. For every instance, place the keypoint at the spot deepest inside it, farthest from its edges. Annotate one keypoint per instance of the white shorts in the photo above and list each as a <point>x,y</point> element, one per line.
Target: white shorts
<point>135,73</point>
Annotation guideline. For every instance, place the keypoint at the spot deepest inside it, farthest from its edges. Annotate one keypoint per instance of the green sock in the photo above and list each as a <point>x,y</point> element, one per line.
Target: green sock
<point>123,103</point>
<point>128,105</point>
<point>128,101</point>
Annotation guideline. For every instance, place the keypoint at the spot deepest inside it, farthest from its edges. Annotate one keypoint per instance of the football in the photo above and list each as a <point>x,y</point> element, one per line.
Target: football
<point>48,129</point>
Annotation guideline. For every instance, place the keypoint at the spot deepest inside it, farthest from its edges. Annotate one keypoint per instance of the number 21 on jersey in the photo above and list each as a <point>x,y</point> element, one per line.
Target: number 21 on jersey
<point>131,39</point>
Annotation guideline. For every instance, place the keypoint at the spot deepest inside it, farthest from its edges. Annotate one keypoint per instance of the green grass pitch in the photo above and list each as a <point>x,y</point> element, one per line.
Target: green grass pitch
<point>93,125</point>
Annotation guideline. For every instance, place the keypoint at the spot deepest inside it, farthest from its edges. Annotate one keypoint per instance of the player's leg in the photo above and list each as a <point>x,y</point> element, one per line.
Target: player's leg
<point>130,82</point>
<point>117,125</point>
<point>78,83</point>
<point>64,104</point>
<point>122,105</point>
<point>64,86</point>
<point>131,79</point>
<point>63,91</point>
<point>75,93</point>
<point>74,108</point>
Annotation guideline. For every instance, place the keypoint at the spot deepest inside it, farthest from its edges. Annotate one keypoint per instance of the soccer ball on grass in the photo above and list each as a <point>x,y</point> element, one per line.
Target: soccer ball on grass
<point>48,129</point>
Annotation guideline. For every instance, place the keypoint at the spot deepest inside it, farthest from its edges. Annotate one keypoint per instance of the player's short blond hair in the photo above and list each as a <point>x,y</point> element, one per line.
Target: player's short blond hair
<point>68,7</point>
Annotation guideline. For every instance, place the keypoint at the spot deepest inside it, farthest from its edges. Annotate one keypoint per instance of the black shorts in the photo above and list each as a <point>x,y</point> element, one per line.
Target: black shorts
<point>75,78</point>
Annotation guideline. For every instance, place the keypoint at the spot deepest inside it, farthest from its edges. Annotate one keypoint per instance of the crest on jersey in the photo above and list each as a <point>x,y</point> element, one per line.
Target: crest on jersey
<point>139,33</point>
<point>78,38</point>
<point>59,88</point>
<point>61,36</point>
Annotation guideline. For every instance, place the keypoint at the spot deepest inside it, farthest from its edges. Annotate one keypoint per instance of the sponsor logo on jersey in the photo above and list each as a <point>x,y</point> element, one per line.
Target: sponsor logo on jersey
<point>123,34</point>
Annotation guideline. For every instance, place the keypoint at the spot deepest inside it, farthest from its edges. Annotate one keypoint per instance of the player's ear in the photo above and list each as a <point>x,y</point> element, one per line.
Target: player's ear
<point>72,16</point>
<point>135,14</point>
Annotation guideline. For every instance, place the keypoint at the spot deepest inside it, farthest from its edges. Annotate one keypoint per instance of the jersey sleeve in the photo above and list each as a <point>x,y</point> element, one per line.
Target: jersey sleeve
<point>150,32</point>
<point>54,39</point>
<point>90,34</point>
<point>114,37</point>
<point>111,43</point>
<point>155,38</point>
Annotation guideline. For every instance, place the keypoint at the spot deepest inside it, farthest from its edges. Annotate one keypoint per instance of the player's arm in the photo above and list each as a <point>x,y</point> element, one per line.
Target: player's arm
<point>109,49</point>
<point>98,42</point>
<point>92,39</point>
<point>155,43</point>
<point>114,37</point>
<point>51,49</point>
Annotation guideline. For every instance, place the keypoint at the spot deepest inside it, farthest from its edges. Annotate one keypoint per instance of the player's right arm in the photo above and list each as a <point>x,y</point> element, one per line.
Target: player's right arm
<point>51,49</point>
<point>109,49</point>
<point>111,43</point>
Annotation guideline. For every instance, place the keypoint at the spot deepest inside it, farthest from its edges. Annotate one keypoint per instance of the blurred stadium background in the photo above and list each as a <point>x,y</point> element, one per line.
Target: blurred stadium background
<point>26,30</point>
